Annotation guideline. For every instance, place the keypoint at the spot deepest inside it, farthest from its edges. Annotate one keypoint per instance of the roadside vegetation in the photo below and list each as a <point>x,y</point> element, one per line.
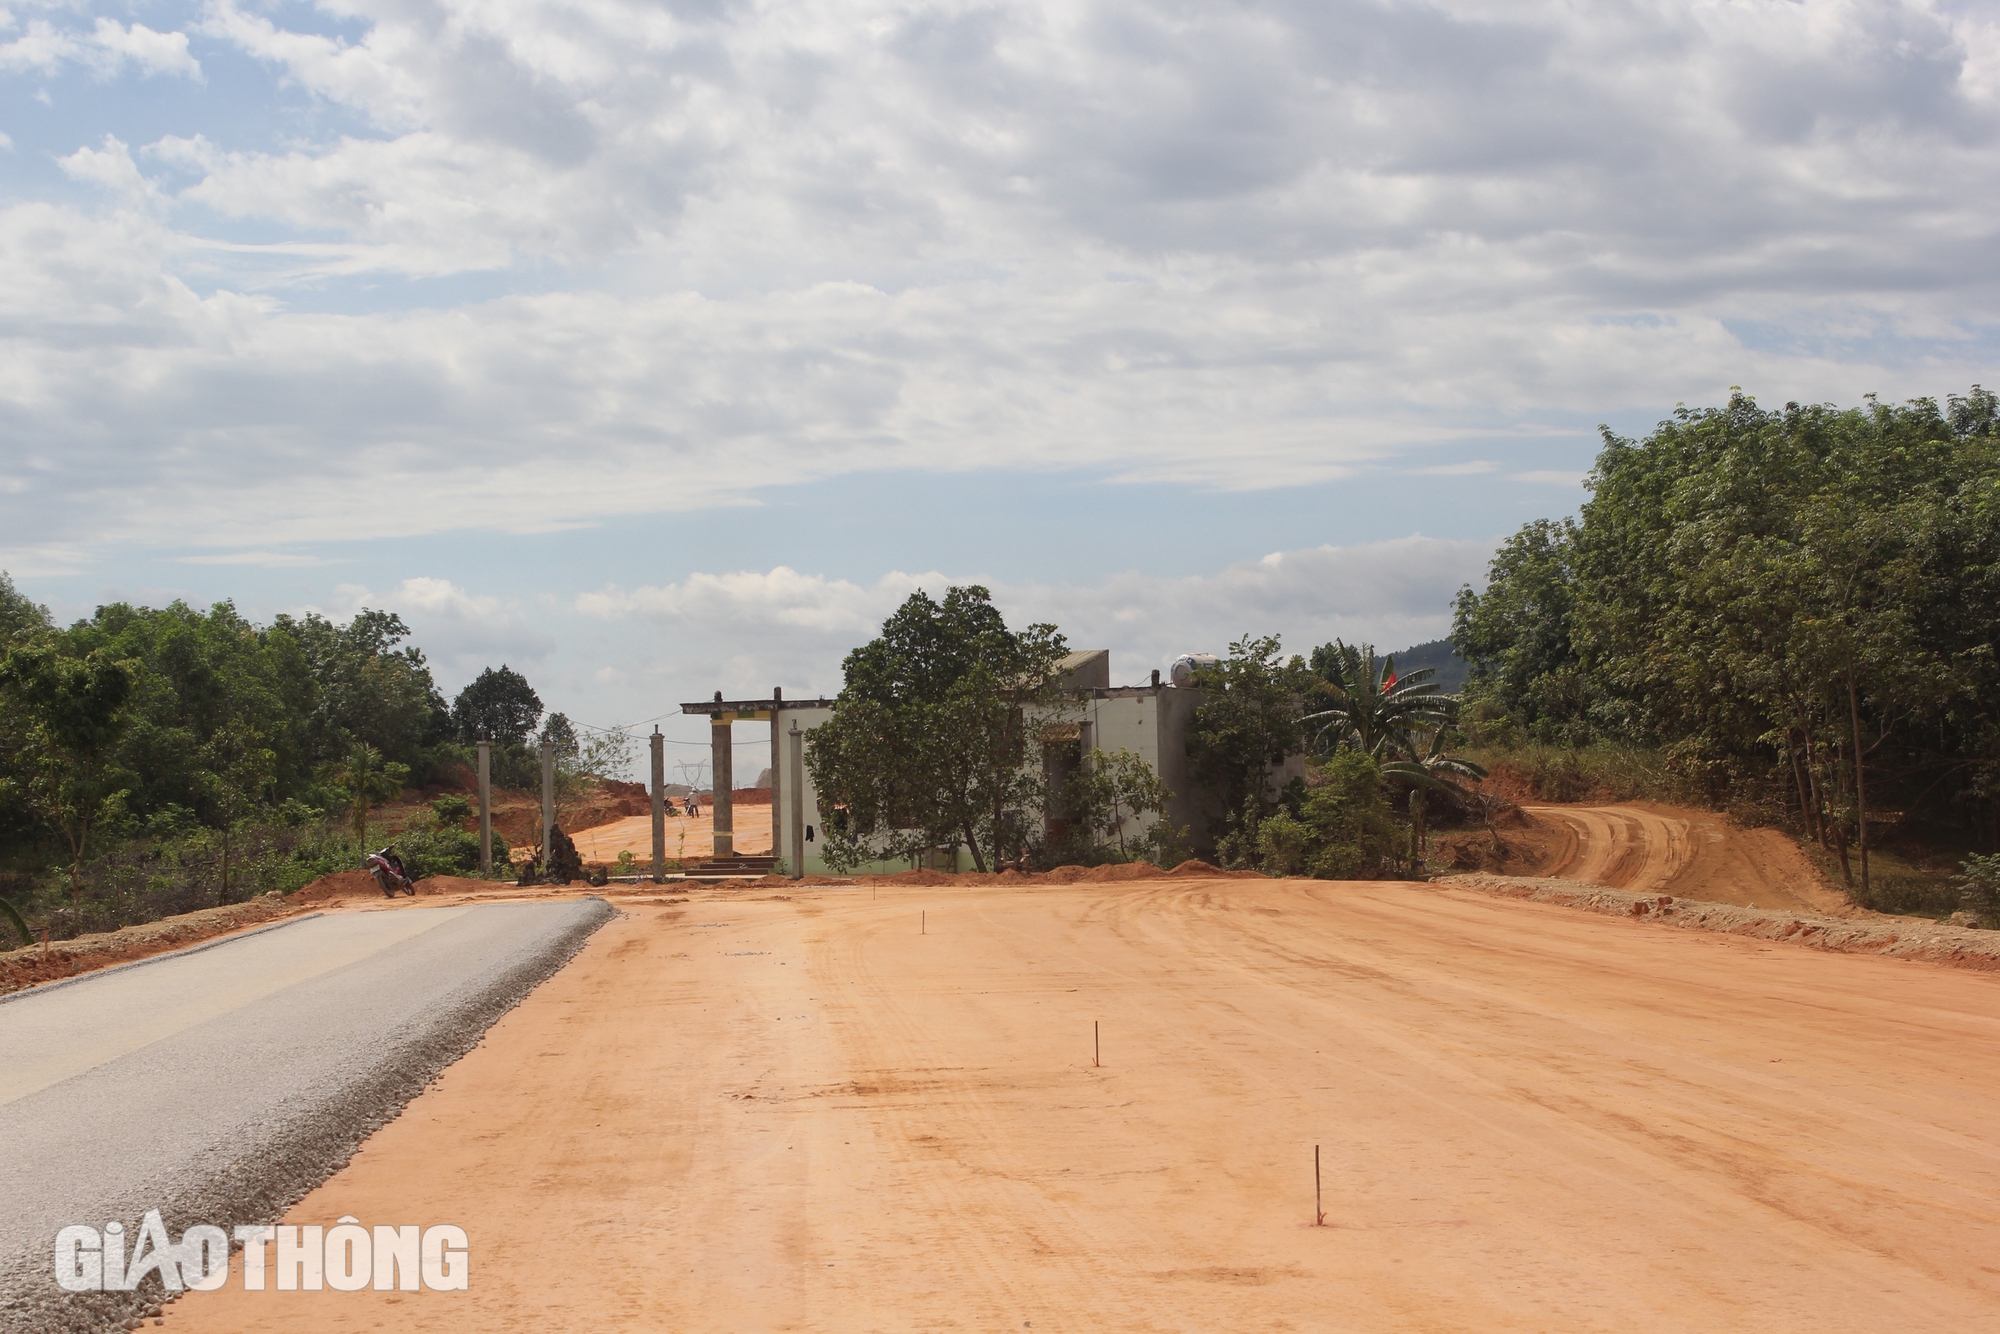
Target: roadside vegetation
<point>1786,614</point>
<point>157,761</point>
<point>1370,753</point>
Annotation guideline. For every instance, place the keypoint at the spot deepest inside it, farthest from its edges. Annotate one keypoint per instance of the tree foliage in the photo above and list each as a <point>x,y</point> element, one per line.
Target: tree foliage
<point>1798,605</point>
<point>1106,802</point>
<point>1366,706</point>
<point>498,706</point>
<point>1248,724</point>
<point>74,711</point>
<point>929,740</point>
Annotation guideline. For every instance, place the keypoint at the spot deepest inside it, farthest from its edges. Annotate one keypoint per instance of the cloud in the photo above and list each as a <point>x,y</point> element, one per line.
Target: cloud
<point>460,631</point>
<point>1550,477</point>
<point>530,265</point>
<point>108,49</point>
<point>746,629</point>
<point>267,559</point>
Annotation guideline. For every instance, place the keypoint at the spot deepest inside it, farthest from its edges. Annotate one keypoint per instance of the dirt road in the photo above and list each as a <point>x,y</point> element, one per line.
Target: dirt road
<point>826,1111</point>
<point>685,837</point>
<point>1649,848</point>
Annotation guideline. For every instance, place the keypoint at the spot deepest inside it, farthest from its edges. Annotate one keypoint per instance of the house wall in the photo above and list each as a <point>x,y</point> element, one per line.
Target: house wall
<point>1153,722</point>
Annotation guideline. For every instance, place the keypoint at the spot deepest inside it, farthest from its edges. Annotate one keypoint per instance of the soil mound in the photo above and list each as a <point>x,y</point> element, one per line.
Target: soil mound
<point>339,885</point>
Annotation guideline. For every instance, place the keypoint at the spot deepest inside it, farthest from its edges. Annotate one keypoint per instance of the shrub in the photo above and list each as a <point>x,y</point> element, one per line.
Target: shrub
<point>1979,889</point>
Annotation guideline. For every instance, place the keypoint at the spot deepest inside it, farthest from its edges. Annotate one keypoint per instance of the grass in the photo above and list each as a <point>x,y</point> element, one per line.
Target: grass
<point>1605,771</point>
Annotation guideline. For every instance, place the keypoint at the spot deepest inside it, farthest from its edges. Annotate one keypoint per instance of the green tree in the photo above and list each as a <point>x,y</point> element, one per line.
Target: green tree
<point>237,774</point>
<point>365,778</point>
<point>498,706</point>
<point>1429,769</point>
<point>928,743</point>
<point>1367,706</point>
<point>1343,828</point>
<point>20,621</point>
<point>1107,798</point>
<point>74,710</point>
<point>1519,637</point>
<point>1246,727</point>
<point>1796,606</point>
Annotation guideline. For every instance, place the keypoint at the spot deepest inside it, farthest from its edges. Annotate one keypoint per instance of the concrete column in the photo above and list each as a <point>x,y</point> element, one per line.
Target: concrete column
<point>548,799</point>
<point>659,807</point>
<point>722,778</point>
<point>486,810</point>
<point>795,784</point>
<point>777,773</point>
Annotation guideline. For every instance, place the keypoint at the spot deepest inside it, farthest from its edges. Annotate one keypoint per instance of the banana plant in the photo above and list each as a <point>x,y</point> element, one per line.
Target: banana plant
<point>1369,707</point>
<point>1433,771</point>
<point>20,923</point>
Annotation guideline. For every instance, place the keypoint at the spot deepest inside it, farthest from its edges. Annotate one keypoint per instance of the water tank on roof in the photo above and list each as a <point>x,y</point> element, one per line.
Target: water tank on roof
<point>1187,664</point>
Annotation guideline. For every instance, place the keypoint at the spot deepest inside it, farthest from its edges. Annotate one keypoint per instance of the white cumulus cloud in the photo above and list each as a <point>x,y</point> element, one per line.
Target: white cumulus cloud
<point>745,629</point>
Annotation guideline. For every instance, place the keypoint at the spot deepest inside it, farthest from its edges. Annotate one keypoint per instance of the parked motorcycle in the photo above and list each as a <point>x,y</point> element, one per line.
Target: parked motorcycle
<point>387,868</point>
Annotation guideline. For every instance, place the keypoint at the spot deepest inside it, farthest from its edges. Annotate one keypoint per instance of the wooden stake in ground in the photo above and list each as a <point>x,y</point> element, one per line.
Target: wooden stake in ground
<point>1096,1047</point>
<point>1319,1210</point>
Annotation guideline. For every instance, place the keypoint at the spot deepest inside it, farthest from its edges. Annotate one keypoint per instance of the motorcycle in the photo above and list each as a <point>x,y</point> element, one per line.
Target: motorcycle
<point>387,868</point>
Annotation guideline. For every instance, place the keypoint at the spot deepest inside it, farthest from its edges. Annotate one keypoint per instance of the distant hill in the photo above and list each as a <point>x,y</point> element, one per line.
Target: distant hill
<point>1452,670</point>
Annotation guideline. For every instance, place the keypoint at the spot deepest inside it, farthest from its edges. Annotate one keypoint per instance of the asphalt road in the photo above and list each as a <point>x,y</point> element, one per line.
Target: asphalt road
<point>219,1086</point>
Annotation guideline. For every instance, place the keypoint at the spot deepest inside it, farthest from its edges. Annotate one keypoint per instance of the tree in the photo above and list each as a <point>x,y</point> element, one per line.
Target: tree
<point>1370,708</point>
<point>928,743</point>
<point>581,765</point>
<point>238,771</point>
<point>1342,830</point>
<point>75,710</point>
<point>1247,725</point>
<point>1519,636</point>
<point>1429,769</point>
<point>1111,791</point>
<point>560,734</point>
<point>1796,606</point>
<point>499,706</point>
<point>364,777</point>
<point>20,620</point>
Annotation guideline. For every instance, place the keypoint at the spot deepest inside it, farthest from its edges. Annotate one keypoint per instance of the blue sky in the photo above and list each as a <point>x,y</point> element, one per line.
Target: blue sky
<point>656,348</point>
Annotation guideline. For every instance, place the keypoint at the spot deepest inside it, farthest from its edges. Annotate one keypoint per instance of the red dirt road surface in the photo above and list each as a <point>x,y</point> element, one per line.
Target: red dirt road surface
<point>793,1111</point>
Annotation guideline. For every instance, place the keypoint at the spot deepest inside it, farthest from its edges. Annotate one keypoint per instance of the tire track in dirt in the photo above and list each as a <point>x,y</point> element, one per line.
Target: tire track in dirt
<point>1650,848</point>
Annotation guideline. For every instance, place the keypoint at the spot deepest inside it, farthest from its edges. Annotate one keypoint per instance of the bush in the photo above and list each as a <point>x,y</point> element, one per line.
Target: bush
<point>1336,825</point>
<point>1978,883</point>
<point>1346,806</point>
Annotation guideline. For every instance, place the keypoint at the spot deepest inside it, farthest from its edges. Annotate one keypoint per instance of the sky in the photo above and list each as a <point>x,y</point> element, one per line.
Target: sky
<point>663,348</point>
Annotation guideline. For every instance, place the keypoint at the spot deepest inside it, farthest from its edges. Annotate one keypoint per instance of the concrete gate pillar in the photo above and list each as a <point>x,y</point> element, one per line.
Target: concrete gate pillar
<point>486,810</point>
<point>777,771</point>
<point>659,807</point>
<point>722,768</point>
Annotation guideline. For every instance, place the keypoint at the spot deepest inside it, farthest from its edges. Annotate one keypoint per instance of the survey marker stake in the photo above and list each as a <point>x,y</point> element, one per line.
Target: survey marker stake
<point>1319,1210</point>
<point>1096,1048</point>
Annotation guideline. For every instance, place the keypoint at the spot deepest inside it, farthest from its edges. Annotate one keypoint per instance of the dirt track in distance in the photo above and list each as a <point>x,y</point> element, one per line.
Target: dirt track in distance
<point>794,1111</point>
<point>1651,848</point>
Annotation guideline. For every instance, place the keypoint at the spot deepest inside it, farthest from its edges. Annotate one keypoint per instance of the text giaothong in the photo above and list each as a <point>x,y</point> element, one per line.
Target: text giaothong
<point>346,1257</point>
